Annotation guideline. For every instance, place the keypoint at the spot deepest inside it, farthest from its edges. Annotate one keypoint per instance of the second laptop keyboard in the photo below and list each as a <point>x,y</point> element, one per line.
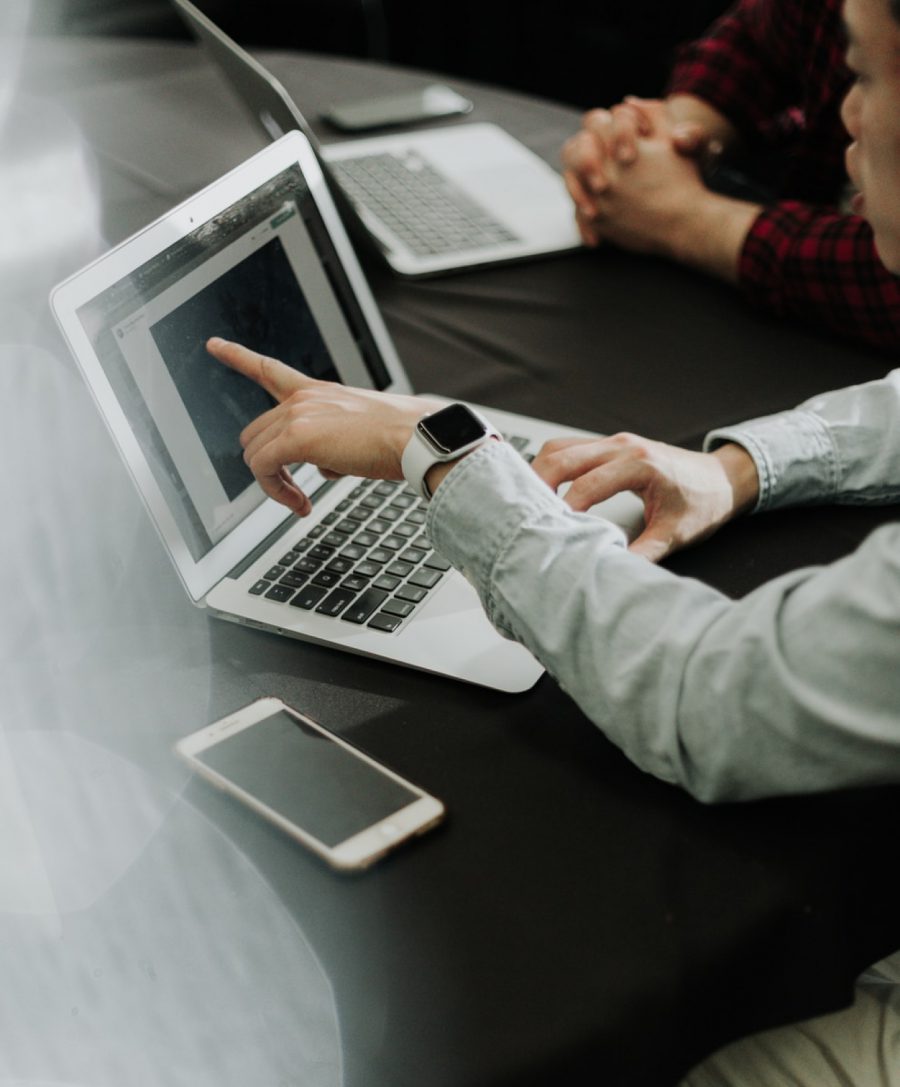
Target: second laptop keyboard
<point>424,209</point>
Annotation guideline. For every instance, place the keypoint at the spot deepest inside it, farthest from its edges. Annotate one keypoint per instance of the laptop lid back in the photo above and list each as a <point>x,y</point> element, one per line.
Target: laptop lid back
<point>262,94</point>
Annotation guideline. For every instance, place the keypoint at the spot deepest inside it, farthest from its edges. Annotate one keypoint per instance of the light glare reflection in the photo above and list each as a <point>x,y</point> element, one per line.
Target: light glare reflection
<point>13,21</point>
<point>48,203</point>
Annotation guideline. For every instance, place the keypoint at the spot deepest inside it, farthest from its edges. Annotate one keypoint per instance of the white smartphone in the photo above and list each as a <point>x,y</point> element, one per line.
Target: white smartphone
<point>325,793</point>
<point>426,104</point>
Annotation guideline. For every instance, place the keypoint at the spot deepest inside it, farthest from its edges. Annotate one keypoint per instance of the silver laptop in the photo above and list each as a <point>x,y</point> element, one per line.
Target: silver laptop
<point>262,257</point>
<point>433,200</point>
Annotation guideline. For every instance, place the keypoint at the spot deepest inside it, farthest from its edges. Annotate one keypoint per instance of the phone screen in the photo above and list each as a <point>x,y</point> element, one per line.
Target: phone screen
<point>307,777</point>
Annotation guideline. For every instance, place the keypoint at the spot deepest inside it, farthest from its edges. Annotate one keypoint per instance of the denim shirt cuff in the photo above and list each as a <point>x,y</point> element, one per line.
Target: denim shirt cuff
<point>479,507</point>
<point>795,456</point>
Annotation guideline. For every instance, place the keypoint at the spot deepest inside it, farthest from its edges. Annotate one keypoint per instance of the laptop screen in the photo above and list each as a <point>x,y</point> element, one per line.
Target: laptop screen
<point>263,273</point>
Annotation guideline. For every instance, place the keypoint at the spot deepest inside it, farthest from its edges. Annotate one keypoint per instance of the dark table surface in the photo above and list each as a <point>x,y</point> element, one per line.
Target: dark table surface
<point>574,917</point>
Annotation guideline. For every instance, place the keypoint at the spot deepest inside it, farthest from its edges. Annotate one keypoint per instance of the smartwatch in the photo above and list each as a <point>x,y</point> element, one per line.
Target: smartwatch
<point>444,435</point>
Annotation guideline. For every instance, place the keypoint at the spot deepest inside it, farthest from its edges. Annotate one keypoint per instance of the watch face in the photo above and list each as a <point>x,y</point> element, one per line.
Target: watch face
<point>452,428</point>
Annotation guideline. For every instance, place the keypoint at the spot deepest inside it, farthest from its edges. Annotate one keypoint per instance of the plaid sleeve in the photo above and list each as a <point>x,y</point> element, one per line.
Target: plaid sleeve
<point>750,62</point>
<point>821,266</point>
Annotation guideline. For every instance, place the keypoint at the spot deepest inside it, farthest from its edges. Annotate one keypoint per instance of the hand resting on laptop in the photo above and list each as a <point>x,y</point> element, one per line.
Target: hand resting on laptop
<point>686,495</point>
<point>359,432</point>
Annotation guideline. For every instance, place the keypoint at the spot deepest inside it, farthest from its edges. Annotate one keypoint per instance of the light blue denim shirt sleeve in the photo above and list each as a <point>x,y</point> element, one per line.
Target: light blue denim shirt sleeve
<point>842,446</point>
<point>794,688</point>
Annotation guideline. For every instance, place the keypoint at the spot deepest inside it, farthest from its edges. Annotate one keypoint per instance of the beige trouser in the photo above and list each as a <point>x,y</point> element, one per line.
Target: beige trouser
<point>856,1047</point>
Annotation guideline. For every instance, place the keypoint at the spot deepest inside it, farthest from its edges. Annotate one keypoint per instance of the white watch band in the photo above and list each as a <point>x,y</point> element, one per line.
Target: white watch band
<point>419,455</point>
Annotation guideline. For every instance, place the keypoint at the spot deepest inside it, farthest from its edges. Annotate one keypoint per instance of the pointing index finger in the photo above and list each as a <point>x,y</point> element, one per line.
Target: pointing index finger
<point>278,379</point>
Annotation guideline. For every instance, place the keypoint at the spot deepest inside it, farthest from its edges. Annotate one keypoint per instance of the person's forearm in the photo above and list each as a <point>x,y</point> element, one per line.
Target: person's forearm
<point>822,266</point>
<point>742,474</point>
<point>710,234</point>
<point>746,64</point>
<point>793,688</point>
<point>438,472</point>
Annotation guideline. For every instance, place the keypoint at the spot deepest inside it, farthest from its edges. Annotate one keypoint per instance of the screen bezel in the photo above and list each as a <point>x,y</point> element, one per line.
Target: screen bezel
<point>358,851</point>
<point>199,576</point>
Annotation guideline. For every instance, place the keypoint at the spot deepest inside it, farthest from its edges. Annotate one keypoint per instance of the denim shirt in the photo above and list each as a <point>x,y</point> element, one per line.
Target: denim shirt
<point>794,688</point>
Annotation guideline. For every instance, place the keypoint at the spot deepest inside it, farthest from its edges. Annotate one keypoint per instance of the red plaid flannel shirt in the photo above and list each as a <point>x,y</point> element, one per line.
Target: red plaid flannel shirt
<point>775,69</point>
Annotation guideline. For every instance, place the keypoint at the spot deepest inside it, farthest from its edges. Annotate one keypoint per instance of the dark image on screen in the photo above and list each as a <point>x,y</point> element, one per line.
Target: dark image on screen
<point>258,303</point>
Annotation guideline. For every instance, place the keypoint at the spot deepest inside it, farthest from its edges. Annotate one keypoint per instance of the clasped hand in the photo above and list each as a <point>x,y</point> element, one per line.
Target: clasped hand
<point>633,173</point>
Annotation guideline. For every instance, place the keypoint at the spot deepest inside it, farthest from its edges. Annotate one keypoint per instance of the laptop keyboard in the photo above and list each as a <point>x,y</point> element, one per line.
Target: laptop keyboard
<point>420,206</point>
<point>368,562</point>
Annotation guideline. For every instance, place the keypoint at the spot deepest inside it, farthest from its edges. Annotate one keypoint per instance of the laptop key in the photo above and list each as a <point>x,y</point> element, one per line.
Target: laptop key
<point>436,562</point>
<point>355,583</point>
<point>412,554</point>
<point>275,573</point>
<point>413,593</point>
<point>294,581</point>
<point>385,622</point>
<point>387,581</point>
<point>399,569</point>
<point>340,565</point>
<point>425,578</point>
<point>326,578</point>
<point>335,602</point>
<point>281,593</point>
<point>260,587</point>
<point>361,608</point>
<point>398,607</point>
<point>308,597</point>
